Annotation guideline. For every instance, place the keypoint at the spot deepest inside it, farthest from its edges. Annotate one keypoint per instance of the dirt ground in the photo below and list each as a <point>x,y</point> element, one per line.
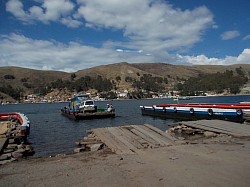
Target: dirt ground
<point>221,161</point>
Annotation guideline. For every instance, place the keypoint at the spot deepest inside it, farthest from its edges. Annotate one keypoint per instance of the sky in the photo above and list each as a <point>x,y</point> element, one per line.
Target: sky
<point>71,35</point>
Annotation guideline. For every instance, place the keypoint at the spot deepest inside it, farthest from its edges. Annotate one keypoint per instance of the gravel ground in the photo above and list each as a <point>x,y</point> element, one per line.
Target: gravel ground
<point>221,161</point>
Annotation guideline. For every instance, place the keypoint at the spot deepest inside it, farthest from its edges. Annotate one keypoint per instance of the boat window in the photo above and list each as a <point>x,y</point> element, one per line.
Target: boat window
<point>80,98</point>
<point>89,103</point>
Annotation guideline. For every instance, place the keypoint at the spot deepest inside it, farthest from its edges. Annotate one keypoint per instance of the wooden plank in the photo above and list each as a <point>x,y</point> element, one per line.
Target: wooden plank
<point>151,142</point>
<point>229,127</point>
<point>107,138</point>
<point>216,128</point>
<point>220,124</point>
<point>234,129</point>
<point>168,136</point>
<point>159,137</point>
<point>149,134</point>
<point>120,148</point>
<point>137,141</point>
<point>207,128</point>
<point>4,127</point>
<point>119,135</point>
<point>3,143</point>
<point>102,135</point>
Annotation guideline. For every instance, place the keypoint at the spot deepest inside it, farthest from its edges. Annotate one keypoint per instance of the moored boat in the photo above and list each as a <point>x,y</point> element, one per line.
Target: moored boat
<point>14,124</point>
<point>82,107</point>
<point>195,111</point>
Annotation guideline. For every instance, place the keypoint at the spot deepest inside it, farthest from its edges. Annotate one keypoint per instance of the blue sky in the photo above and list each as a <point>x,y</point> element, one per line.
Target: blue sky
<point>70,35</point>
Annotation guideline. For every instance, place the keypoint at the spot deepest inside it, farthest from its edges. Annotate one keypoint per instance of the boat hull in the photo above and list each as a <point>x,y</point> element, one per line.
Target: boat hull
<point>21,123</point>
<point>84,116</point>
<point>187,113</point>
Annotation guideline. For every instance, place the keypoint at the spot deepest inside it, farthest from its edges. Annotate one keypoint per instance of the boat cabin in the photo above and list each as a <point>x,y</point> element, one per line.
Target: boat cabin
<point>79,98</point>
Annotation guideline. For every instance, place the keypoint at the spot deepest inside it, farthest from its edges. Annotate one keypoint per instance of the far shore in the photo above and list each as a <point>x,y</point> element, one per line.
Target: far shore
<point>121,99</point>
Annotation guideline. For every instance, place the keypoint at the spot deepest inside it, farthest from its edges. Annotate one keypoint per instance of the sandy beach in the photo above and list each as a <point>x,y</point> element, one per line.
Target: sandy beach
<point>220,161</point>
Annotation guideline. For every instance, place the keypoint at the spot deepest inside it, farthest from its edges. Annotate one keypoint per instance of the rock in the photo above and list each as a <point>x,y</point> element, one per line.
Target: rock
<point>79,149</point>
<point>4,157</point>
<point>29,148</point>
<point>17,154</point>
<point>8,150</point>
<point>78,143</point>
<point>209,134</point>
<point>173,158</point>
<point>21,146</point>
<point>94,147</point>
<point>180,142</point>
<point>12,146</point>
<point>188,130</point>
<point>21,150</point>
<point>7,161</point>
<point>11,141</point>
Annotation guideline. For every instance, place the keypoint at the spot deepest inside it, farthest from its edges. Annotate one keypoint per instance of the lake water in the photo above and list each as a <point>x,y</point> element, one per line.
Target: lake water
<point>52,133</point>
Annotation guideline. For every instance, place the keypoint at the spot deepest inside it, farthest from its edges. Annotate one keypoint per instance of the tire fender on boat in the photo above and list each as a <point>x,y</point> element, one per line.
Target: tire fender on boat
<point>210,112</point>
<point>175,109</point>
<point>239,112</point>
<point>191,110</point>
<point>164,110</point>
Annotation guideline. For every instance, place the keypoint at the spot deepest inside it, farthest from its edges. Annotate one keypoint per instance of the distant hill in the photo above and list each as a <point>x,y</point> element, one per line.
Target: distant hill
<point>30,80</point>
<point>172,72</point>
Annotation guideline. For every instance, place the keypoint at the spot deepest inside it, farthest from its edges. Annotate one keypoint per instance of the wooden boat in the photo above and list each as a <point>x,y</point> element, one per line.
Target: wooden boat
<point>76,115</point>
<point>82,107</point>
<point>195,111</point>
<point>14,124</point>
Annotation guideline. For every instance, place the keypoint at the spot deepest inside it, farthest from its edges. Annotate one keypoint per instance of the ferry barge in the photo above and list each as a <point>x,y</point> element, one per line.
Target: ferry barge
<point>82,107</point>
<point>196,111</point>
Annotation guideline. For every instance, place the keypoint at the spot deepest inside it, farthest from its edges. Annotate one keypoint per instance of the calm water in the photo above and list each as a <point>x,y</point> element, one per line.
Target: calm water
<point>52,133</point>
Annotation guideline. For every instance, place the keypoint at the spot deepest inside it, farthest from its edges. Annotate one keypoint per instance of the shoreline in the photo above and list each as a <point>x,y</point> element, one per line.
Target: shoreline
<point>220,161</point>
<point>125,99</point>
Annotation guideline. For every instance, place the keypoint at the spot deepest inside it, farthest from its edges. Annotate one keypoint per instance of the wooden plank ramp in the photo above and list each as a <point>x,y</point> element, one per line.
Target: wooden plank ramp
<point>220,126</point>
<point>132,139</point>
<point>3,144</point>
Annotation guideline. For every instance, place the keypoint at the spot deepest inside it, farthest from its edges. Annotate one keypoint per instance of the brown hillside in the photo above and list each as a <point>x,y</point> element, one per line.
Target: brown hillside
<point>31,77</point>
<point>181,71</point>
<point>112,71</point>
<point>39,78</point>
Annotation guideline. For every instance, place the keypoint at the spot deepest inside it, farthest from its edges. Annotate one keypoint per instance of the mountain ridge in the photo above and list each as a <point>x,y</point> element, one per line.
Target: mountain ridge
<point>29,80</point>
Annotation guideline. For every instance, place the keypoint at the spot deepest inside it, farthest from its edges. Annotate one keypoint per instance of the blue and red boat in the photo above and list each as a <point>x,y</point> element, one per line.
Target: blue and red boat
<point>196,111</point>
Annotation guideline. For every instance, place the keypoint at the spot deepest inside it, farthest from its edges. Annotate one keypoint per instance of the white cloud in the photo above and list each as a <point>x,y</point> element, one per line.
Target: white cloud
<point>18,50</point>
<point>146,24</point>
<point>71,22</point>
<point>247,37</point>
<point>49,10</point>
<point>243,58</point>
<point>150,25</point>
<point>228,35</point>
<point>16,8</point>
